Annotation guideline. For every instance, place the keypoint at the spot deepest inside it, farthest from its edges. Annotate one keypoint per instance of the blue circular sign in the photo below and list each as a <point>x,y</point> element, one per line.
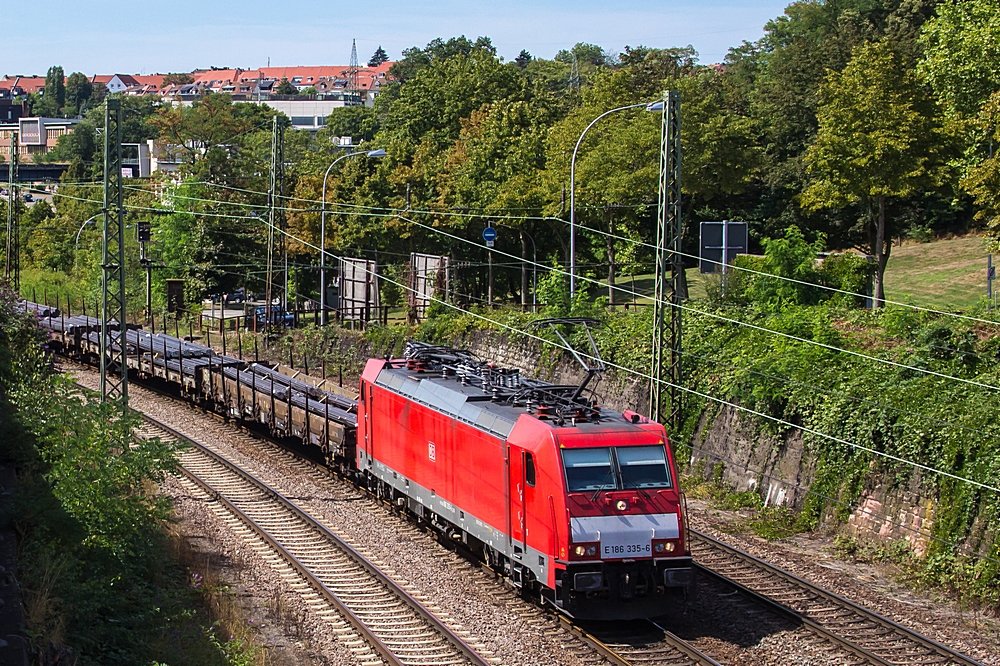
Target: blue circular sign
<point>489,234</point>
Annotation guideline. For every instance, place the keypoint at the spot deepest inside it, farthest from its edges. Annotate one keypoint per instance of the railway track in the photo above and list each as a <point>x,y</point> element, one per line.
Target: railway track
<point>377,619</point>
<point>639,643</point>
<point>869,636</point>
<point>643,643</point>
<point>333,569</point>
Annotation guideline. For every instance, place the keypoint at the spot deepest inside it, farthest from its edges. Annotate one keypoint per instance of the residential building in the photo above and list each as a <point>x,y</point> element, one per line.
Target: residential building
<point>22,85</point>
<point>10,110</point>
<point>132,84</point>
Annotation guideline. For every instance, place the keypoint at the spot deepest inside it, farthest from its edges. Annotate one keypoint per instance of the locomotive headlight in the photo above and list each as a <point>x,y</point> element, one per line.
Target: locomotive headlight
<point>583,551</point>
<point>622,505</point>
<point>664,547</point>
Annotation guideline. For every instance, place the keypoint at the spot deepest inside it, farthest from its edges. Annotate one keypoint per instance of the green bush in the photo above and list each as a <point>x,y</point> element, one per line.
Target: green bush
<point>98,582</point>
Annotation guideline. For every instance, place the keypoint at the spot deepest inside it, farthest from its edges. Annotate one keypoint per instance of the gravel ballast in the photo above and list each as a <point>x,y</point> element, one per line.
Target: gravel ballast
<point>470,599</point>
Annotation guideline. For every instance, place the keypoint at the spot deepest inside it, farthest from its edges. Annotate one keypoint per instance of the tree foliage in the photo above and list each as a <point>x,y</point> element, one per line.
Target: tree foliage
<point>962,50</point>
<point>879,138</point>
<point>285,87</point>
<point>379,57</point>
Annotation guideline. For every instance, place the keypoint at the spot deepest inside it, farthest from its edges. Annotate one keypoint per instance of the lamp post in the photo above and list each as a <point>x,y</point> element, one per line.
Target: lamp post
<point>650,106</point>
<point>77,244</point>
<point>322,230</point>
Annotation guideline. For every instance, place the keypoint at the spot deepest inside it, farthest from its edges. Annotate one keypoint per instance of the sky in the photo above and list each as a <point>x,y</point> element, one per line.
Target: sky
<point>142,37</point>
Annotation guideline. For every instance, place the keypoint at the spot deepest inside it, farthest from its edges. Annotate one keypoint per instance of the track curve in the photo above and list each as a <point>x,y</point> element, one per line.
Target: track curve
<point>399,630</point>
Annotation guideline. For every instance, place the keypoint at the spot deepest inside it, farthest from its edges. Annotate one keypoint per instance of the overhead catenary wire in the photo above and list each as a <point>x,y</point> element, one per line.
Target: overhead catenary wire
<point>686,389</point>
<point>739,322</point>
<point>496,215</point>
<point>669,303</point>
<point>843,394</point>
<point>452,213</point>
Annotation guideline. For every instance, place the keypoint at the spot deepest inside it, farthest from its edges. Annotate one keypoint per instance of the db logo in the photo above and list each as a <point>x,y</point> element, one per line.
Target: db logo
<point>431,451</point>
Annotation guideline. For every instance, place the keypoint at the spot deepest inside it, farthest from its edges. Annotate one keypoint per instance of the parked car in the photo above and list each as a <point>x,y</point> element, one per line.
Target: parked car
<point>238,297</point>
<point>28,198</point>
<point>279,317</point>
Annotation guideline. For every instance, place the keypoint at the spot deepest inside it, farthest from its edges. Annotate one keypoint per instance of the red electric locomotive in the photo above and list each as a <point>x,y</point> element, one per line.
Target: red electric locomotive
<point>574,501</point>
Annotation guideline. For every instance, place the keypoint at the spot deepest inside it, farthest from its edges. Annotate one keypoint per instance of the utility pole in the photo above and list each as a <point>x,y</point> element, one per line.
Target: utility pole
<point>276,216</point>
<point>114,370</point>
<point>12,258</point>
<point>668,257</point>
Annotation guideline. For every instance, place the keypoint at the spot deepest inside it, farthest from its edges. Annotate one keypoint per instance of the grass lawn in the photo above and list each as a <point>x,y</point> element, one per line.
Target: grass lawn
<point>945,274</point>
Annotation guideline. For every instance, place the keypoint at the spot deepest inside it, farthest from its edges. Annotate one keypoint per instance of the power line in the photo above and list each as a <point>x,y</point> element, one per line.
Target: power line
<point>452,213</point>
<point>706,396</point>
<point>682,307</point>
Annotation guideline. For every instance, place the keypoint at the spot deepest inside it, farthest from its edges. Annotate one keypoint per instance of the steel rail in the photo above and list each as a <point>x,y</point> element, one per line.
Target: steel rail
<point>683,649</point>
<point>367,632</point>
<point>690,655</point>
<point>930,646</point>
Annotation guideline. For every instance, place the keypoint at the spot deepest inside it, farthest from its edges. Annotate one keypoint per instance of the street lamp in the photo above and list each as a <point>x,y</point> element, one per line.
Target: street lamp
<point>322,230</point>
<point>77,244</point>
<point>651,107</point>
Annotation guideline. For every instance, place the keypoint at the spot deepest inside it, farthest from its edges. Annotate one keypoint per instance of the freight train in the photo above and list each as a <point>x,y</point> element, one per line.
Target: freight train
<point>568,500</point>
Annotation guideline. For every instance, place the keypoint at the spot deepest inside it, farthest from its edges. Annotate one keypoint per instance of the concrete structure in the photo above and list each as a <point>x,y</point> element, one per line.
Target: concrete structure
<point>36,136</point>
<point>306,114</point>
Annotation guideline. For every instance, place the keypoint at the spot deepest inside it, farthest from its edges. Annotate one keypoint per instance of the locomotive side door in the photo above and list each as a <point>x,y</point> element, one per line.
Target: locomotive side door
<point>368,444</point>
<point>516,505</point>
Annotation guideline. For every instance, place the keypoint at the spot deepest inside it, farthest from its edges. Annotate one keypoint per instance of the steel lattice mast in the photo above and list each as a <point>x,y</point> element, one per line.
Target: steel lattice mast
<point>668,257</point>
<point>275,214</point>
<point>12,256</point>
<point>114,371</point>
<point>353,75</point>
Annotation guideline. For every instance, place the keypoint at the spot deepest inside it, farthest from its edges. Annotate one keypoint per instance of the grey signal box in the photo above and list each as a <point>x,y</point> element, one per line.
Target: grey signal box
<point>720,242</point>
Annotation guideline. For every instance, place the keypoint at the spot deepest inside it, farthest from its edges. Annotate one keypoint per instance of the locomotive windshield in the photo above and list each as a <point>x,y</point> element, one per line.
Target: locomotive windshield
<point>589,469</point>
<point>616,468</point>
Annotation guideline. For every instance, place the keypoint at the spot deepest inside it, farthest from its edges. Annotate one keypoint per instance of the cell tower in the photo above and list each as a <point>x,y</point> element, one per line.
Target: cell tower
<point>354,93</point>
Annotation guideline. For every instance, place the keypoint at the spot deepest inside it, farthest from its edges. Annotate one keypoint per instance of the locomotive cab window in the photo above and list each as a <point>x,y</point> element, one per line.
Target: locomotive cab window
<point>643,467</point>
<point>589,469</point>
<point>617,468</point>
<point>529,469</point>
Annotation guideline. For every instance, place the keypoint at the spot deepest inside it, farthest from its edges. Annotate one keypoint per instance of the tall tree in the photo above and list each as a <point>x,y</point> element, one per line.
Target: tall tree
<point>414,58</point>
<point>585,53</point>
<point>55,87</point>
<point>982,180</point>
<point>79,91</point>
<point>522,59</point>
<point>379,57</point>
<point>879,138</point>
<point>178,79</point>
<point>53,95</point>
